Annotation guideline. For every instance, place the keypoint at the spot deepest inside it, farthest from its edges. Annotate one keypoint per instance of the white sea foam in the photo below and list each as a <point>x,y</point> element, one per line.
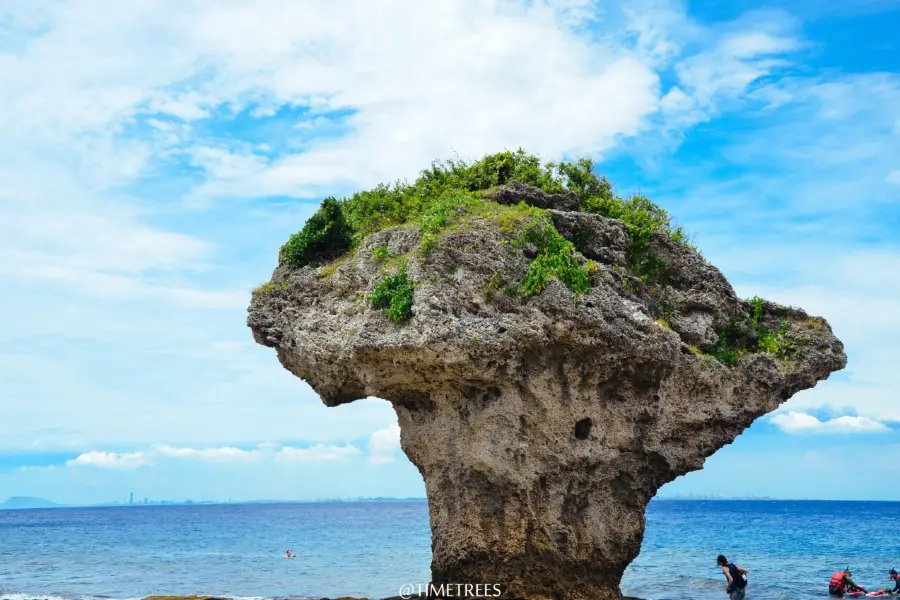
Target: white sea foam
<point>27,596</point>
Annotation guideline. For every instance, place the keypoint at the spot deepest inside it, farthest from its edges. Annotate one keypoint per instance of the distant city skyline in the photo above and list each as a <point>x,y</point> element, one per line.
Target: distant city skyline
<point>43,502</point>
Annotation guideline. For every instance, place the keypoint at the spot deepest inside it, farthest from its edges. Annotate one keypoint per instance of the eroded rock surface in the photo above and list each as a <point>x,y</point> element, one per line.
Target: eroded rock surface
<point>542,426</point>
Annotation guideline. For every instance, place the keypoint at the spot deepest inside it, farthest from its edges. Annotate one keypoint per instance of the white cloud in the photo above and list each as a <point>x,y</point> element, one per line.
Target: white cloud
<point>111,460</point>
<point>681,110</point>
<point>384,444</point>
<point>224,454</point>
<point>317,453</point>
<point>798,422</point>
<point>745,52</point>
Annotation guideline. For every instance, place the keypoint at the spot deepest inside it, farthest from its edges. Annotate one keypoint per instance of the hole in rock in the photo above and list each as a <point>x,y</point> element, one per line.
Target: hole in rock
<point>583,429</point>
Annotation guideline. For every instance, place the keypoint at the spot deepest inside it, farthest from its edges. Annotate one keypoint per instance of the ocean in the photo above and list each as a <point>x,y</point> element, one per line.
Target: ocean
<point>369,549</point>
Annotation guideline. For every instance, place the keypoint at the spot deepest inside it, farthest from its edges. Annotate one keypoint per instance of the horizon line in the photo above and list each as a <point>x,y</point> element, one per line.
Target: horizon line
<point>382,499</point>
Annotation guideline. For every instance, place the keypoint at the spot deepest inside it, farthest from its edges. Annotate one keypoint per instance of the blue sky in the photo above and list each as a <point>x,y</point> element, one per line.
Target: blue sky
<point>155,155</point>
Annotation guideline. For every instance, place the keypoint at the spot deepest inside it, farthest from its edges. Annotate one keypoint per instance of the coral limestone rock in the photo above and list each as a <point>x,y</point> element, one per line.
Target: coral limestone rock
<point>551,367</point>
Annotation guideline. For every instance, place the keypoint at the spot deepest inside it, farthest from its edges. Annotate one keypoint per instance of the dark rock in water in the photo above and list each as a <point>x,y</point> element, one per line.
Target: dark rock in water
<point>544,424</point>
<point>514,193</point>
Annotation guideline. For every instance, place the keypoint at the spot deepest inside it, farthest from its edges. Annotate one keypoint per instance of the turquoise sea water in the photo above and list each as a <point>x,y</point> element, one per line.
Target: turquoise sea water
<point>371,549</point>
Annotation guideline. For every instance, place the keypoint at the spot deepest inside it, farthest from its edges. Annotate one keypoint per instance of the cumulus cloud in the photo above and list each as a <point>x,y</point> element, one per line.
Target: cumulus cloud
<point>111,460</point>
<point>225,454</point>
<point>319,452</point>
<point>384,444</point>
<point>799,422</point>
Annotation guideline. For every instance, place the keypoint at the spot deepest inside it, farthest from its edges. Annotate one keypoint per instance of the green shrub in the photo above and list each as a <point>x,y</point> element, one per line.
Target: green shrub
<point>400,202</point>
<point>579,178</point>
<point>382,207</point>
<point>325,235</point>
<point>750,335</point>
<point>725,356</point>
<point>643,218</point>
<point>491,171</point>
<point>394,295</point>
<point>380,254</point>
<point>556,258</point>
<point>447,191</point>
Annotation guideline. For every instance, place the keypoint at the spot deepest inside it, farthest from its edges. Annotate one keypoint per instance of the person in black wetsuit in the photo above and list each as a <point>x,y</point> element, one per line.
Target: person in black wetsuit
<point>736,577</point>
<point>889,591</point>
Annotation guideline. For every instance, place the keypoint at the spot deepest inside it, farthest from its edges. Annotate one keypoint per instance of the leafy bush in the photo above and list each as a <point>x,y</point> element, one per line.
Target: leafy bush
<point>394,295</point>
<point>384,206</point>
<point>380,254</point>
<point>749,335</point>
<point>556,258</point>
<point>491,171</point>
<point>449,191</point>
<point>325,235</point>
<point>401,202</point>
<point>643,218</point>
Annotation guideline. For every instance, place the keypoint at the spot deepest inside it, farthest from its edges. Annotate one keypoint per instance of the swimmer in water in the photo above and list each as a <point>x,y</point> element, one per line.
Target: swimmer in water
<point>288,554</point>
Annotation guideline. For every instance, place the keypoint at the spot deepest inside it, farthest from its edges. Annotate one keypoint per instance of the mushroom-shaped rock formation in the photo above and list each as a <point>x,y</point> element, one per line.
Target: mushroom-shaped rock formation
<point>554,354</point>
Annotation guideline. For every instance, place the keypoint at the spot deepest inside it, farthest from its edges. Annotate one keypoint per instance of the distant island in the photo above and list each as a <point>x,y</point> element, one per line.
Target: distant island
<point>20,502</point>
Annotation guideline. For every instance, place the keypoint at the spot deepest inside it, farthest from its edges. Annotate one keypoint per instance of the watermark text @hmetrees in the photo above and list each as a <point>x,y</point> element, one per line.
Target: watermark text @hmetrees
<point>450,590</point>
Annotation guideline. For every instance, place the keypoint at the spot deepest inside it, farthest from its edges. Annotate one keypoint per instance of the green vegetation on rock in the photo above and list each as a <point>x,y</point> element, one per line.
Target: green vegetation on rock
<point>644,218</point>
<point>269,287</point>
<point>452,192</point>
<point>394,295</point>
<point>380,254</point>
<point>556,258</point>
<point>326,235</point>
<point>742,336</point>
<point>444,211</point>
